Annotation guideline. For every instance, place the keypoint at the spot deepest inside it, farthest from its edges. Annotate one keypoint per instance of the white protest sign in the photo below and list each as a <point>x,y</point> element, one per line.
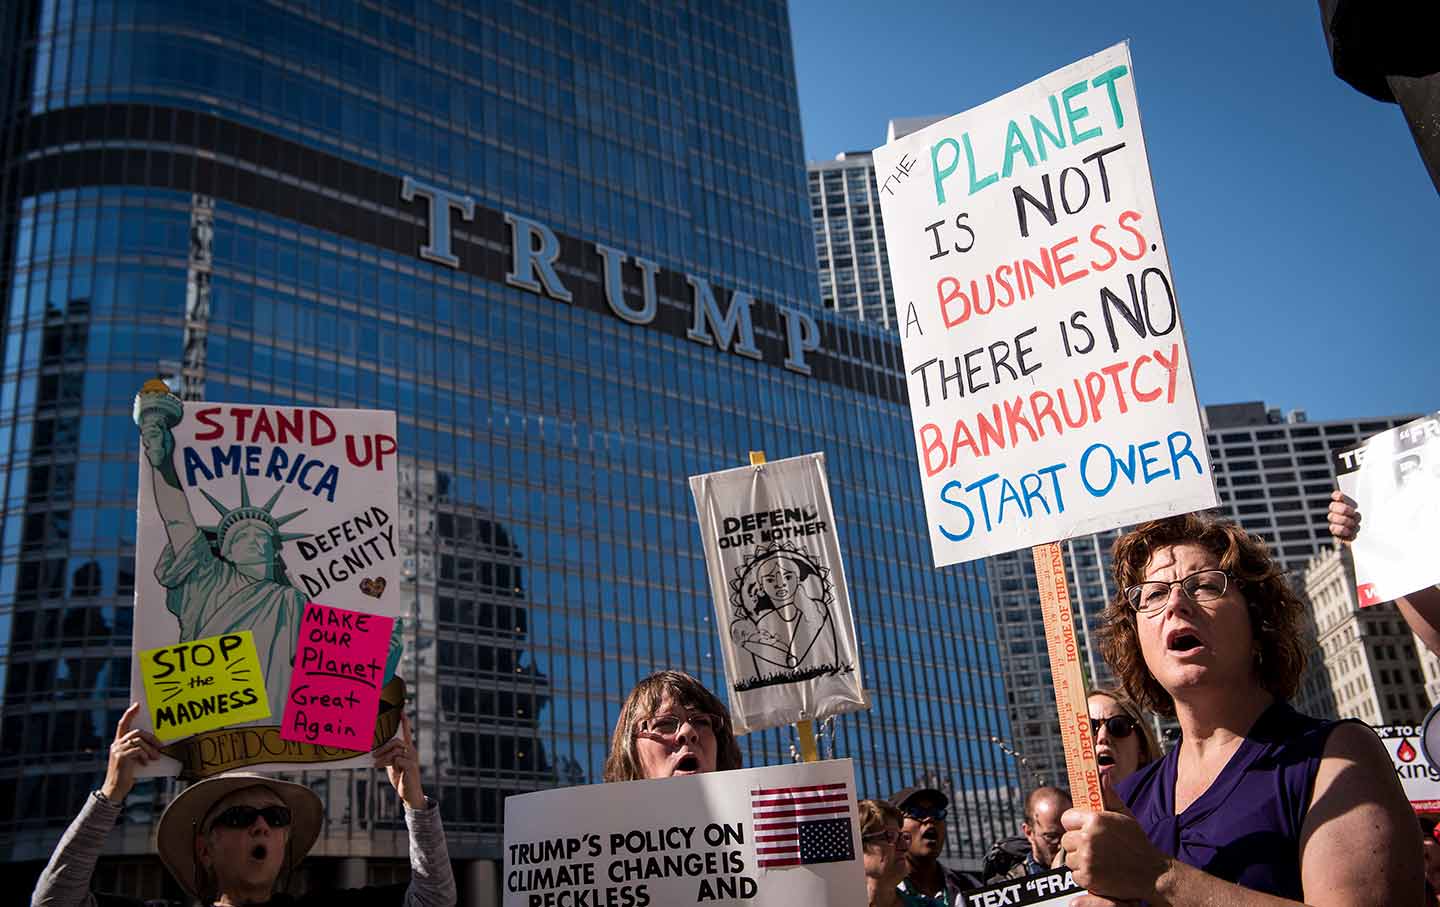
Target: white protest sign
<point>1055,888</point>
<point>1050,386</point>
<point>782,607</point>
<point>1394,478</point>
<point>772,837</point>
<point>246,513</point>
<point>1417,775</point>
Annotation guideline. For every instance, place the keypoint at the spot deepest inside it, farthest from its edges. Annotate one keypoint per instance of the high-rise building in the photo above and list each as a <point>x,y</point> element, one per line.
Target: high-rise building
<point>570,249</point>
<point>850,238</point>
<point>1274,475</point>
<point>1378,670</point>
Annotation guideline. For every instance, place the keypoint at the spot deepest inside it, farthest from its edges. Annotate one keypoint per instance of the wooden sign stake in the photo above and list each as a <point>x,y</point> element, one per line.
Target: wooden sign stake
<point>808,751</point>
<point>1067,678</point>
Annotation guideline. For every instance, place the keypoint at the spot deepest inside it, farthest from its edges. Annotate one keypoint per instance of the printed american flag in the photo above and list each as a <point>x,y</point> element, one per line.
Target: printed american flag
<point>796,826</point>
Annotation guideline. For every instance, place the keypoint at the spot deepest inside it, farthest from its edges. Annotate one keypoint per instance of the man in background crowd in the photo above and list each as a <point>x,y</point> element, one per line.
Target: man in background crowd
<point>930,882</point>
<point>1042,829</point>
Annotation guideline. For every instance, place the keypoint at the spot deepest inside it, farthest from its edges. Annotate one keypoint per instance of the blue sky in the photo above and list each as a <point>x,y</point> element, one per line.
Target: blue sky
<point>1303,231</point>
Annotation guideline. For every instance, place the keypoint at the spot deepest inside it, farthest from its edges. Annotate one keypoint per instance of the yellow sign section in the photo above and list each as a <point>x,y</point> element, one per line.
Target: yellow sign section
<point>204,685</point>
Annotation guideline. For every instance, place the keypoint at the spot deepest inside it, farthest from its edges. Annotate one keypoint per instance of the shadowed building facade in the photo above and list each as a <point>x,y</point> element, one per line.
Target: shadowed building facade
<point>570,248</point>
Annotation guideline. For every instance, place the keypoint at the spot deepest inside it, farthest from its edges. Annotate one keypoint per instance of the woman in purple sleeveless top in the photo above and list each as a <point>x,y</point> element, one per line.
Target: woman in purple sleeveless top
<point>1257,804</point>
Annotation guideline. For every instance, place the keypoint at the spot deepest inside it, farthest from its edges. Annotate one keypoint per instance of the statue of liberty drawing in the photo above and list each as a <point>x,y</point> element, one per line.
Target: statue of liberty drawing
<point>240,583</point>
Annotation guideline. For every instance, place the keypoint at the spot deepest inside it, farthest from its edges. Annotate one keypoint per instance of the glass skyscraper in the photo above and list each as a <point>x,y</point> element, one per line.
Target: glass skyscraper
<point>569,245</point>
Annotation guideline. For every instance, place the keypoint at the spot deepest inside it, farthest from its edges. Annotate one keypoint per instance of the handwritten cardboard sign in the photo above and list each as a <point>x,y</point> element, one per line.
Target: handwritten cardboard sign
<point>767,837</point>
<point>335,685</point>
<point>1418,775</point>
<point>246,512</point>
<point>1055,887</point>
<point>782,605</point>
<point>1394,478</point>
<point>202,685</point>
<point>1049,381</point>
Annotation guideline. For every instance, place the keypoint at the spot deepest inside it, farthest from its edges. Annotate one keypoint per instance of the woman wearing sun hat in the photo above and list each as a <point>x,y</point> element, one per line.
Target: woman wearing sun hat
<point>235,839</point>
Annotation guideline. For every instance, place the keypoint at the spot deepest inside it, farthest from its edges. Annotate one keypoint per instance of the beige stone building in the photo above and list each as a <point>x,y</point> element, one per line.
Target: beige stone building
<point>1378,670</point>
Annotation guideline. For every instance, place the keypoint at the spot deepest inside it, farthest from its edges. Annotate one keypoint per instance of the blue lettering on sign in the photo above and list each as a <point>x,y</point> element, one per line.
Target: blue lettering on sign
<point>310,474</point>
<point>1027,494</point>
<point>1101,467</point>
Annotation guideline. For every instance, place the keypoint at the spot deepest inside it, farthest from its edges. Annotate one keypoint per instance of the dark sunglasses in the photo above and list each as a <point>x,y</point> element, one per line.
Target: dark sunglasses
<point>244,816</point>
<point>1118,725</point>
<point>921,813</point>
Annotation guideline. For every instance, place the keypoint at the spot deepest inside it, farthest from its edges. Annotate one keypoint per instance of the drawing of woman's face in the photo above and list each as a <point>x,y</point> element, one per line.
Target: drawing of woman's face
<point>780,578</point>
<point>250,543</point>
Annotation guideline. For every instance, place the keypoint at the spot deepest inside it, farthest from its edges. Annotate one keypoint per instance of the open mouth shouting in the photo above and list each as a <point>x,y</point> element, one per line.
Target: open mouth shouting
<point>687,764</point>
<point>259,852</point>
<point>1183,641</point>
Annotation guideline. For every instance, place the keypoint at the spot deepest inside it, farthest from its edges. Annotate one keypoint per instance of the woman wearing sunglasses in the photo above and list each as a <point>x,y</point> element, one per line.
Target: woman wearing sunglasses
<point>885,847</point>
<point>671,725</point>
<point>1257,804</point>
<point>1124,742</point>
<point>234,839</point>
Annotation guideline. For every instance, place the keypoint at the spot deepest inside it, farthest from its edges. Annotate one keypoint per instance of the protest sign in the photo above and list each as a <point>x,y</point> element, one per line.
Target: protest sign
<point>782,607</point>
<point>773,837</point>
<point>245,514</point>
<point>1394,478</point>
<point>202,685</point>
<point>1050,386</point>
<point>335,684</point>
<point>1413,766</point>
<point>1055,888</point>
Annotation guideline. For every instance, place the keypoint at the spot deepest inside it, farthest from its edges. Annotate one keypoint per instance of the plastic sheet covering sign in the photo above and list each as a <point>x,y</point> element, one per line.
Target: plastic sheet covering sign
<point>1418,775</point>
<point>1394,478</point>
<point>767,837</point>
<point>1047,889</point>
<point>782,607</point>
<point>1050,386</point>
<point>245,514</point>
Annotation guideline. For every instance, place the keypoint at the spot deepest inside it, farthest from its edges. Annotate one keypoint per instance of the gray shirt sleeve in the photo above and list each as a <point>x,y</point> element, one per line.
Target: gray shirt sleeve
<point>432,881</point>
<point>66,879</point>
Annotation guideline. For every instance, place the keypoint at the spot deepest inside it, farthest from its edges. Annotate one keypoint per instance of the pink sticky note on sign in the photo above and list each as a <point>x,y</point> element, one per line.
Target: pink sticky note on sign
<point>334,695</point>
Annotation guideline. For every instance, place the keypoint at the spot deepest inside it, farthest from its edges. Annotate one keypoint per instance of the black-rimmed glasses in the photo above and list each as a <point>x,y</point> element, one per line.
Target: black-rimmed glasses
<point>1200,586</point>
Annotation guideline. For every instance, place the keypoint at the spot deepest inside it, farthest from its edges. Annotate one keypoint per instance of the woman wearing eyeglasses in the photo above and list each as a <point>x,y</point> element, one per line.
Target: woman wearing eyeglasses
<point>1257,804</point>
<point>885,847</point>
<point>671,725</point>
<point>235,838</point>
<point>1123,739</point>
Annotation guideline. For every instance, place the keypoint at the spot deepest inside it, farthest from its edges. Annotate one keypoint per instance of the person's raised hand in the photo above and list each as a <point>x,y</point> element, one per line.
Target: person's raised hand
<point>402,764</point>
<point>1342,516</point>
<point>131,748</point>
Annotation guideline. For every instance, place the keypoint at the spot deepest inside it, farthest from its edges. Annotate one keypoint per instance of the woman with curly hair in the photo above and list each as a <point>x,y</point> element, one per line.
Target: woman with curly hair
<point>1257,804</point>
<point>671,725</point>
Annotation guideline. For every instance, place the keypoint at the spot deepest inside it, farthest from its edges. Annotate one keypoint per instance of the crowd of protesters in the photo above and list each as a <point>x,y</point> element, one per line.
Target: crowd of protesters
<point>1256,804</point>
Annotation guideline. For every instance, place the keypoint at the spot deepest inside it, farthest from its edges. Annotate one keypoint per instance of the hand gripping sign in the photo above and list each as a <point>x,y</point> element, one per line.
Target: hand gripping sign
<point>246,513</point>
<point>766,837</point>
<point>1394,478</point>
<point>782,607</point>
